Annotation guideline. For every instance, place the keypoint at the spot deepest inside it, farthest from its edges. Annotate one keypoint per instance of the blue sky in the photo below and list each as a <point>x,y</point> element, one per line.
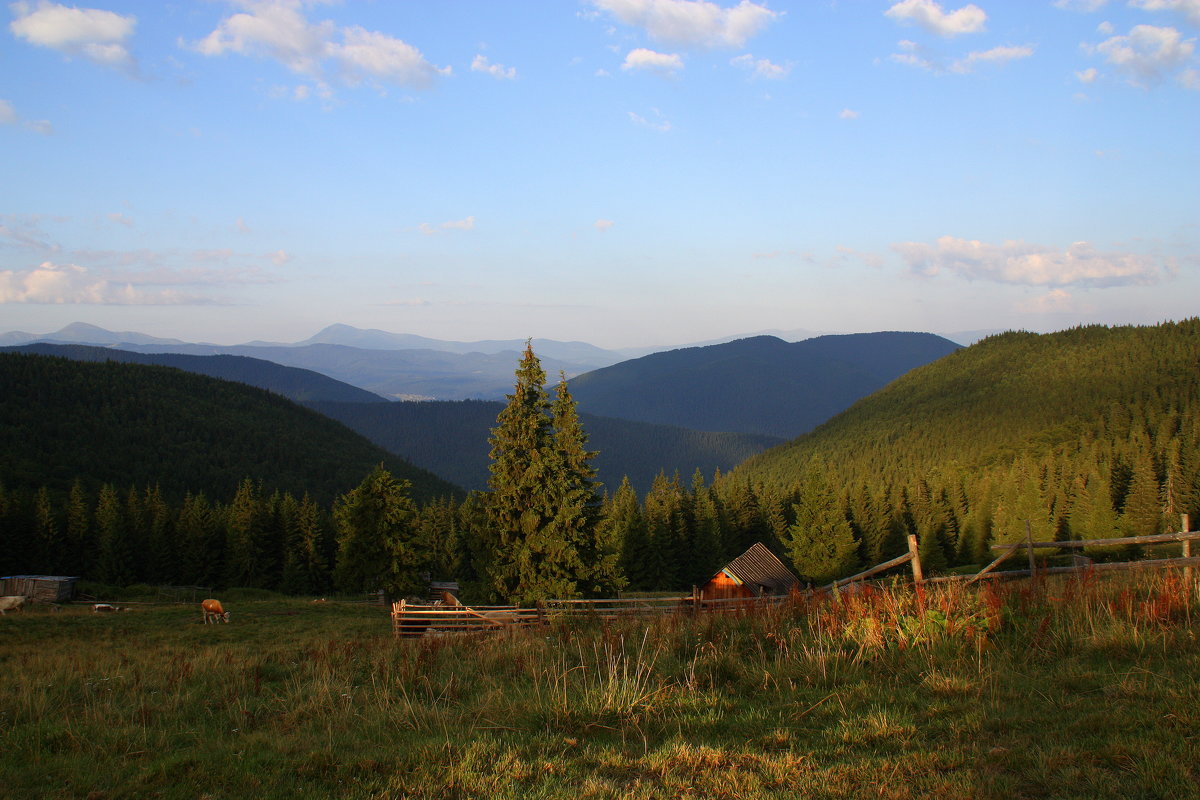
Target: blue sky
<point>623,172</point>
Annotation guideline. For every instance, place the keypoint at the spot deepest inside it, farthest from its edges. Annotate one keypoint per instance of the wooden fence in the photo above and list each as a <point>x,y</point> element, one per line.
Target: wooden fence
<point>420,619</point>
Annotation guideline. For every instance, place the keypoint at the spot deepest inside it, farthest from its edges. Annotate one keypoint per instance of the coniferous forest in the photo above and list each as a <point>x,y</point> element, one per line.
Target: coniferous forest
<point>1092,432</point>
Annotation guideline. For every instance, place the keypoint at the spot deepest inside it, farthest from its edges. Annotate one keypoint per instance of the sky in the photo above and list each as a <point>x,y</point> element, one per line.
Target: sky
<point>622,172</point>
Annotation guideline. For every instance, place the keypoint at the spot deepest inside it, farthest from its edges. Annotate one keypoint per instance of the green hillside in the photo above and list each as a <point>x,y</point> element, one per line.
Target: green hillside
<point>1087,432</point>
<point>131,424</point>
<point>294,383</point>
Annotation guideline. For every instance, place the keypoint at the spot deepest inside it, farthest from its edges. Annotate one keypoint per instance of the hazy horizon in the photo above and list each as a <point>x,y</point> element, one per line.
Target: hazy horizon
<point>625,173</point>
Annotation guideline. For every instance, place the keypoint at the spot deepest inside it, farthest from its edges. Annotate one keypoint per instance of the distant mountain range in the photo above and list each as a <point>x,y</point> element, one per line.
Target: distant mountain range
<point>393,365</point>
<point>450,439</point>
<point>762,385</point>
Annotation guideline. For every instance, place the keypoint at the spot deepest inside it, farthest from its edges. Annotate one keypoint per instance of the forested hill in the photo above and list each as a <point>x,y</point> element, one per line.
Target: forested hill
<point>1007,394</point>
<point>294,383</point>
<point>1092,432</point>
<point>450,438</point>
<point>128,424</point>
<point>760,385</point>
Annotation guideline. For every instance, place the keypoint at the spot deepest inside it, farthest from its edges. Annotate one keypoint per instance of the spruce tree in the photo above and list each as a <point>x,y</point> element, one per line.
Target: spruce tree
<point>578,517</point>
<point>527,558</point>
<point>377,538</point>
<point>821,542</point>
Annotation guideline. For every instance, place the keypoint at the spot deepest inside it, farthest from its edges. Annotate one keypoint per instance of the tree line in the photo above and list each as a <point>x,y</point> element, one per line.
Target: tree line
<point>544,527</point>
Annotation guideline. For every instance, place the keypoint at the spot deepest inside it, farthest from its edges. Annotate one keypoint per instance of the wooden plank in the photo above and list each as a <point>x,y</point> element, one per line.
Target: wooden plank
<point>875,570</point>
<point>1012,548</point>
<point>1029,549</point>
<point>1156,563</point>
<point>1155,539</point>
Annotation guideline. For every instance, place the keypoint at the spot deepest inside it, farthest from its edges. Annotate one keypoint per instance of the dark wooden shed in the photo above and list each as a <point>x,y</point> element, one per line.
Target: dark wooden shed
<point>755,573</point>
<point>42,588</point>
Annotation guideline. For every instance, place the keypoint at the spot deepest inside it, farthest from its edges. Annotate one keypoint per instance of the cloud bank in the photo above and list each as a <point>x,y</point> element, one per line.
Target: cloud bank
<point>56,284</point>
<point>692,23</point>
<point>1025,264</point>
<point>90,33</point>
<point>278,30</point>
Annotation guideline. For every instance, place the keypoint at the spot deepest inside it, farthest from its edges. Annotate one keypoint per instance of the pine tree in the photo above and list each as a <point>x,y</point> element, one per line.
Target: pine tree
<point>112,564</point>
<point>79,528</point>
<point>578,515</point>
<point>1092,515</point>
<point>821,542</point>
<point>532,550</point>
<point>377,547</point>
<point>706,527</point>
<point>623,522</point>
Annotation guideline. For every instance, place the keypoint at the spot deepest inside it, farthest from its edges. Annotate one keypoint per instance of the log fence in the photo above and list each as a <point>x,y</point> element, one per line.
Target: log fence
<point>421,619</point>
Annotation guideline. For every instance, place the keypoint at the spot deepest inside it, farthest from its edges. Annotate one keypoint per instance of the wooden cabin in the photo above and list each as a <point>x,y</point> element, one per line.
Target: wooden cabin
<point>755,573</point>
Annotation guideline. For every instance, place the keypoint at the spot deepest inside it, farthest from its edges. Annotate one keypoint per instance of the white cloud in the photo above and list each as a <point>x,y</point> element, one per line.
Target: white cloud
<point>761,67</point>
<point>90,33</point>
<point>1017,262</point>
<point>847,113</point>
<point>930,16</point>
<point>498,71</point>
<point>915,56</point>
<point>384,57</point>
<point>51,283</point>
<point>1055,301</point>
<point>460,224</point>
<point>280,257</point>
<point>1147,53</point>
<point>661,125</point>
<point>1089,75</point>
<point>643,59</point>
<point>279,30</point>
<point>1190,79</point>
<point>1189,8</point>
<point>1086,6</point>
<point>997,55</point>
<point>120,219</point>
<point>1105,28</point>
<point>603,224</point>
<point>450,225</point>
<point>692,23</point>
<point>9,116</point>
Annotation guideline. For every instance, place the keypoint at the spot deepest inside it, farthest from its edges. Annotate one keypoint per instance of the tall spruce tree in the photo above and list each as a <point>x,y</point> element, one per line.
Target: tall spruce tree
<point>578,514</point>
<point>529,555</point>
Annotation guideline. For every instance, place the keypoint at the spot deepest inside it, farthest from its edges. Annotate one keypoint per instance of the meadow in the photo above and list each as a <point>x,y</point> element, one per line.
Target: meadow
<point>1082,687</point>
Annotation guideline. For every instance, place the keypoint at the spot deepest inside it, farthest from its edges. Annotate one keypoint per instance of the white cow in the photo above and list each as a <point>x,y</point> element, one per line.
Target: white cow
<point>14,602</point>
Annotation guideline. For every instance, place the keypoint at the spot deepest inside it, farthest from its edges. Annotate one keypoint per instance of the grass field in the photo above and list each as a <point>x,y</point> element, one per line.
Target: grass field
<point>1083,688</point>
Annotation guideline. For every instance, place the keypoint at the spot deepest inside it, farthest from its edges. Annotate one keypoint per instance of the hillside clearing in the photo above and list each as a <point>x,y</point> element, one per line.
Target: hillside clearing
<point>1076,689</point>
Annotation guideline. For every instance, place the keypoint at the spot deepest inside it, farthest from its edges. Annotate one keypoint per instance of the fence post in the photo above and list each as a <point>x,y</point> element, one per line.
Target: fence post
<point>1184,527</point>
<point>398,616</point>
<point>1029,550</point>
<point>918,574</point>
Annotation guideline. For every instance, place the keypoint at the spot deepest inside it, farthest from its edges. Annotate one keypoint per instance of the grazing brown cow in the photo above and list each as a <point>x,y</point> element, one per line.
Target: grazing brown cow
<point>213,612</point>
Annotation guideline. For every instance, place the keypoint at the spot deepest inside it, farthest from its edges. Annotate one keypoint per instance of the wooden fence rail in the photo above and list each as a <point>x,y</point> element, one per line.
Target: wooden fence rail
<point>420,619</point>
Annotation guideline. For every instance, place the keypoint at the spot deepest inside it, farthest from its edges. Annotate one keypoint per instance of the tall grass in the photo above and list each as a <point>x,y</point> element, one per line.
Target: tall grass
<point>1070,688</point>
